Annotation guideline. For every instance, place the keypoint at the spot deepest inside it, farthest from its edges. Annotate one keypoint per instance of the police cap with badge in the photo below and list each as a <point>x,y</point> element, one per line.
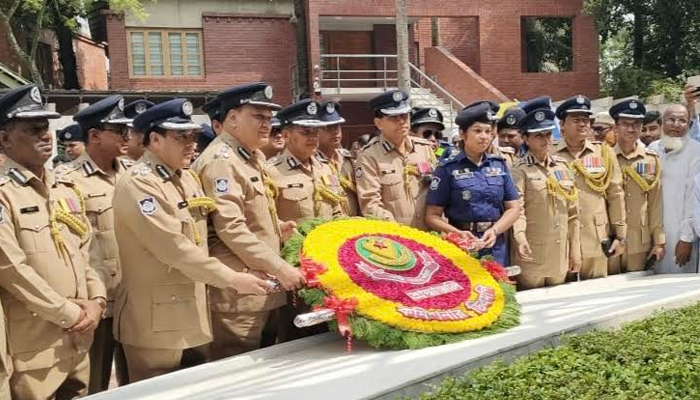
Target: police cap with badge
<point>541,120</point>
<point>427,115</point>
<point>109,110</point>
<point>393,102</point>
<point>329,112</point>
<point>24,103</point>
<point>137,107</point>
<point>173,115</point>
<point>256,94</point>
<point>213,109</point>
<point>511,118</point>
<point>71,133</point>
<point>495,107</point>
<point>205,138</point>
<point>477,113</point>
<point>537,103</point>
<point>302,113</point>
<point>633,109</point>
<point>577,104</point>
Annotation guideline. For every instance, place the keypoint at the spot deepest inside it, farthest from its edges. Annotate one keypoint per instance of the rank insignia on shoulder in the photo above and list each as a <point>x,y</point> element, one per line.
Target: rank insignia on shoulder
<point>223,152</point>
<point>4,179</point>
<point>221,186</point>
<point>142,170</point>
<point>148,205</point>
<point>435,183</point>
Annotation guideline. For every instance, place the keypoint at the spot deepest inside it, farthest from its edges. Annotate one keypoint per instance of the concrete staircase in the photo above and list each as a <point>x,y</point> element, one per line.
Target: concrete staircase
<point>423,97</point>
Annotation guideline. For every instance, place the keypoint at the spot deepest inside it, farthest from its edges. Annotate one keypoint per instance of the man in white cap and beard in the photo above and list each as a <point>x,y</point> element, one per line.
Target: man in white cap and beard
<point>680,163</point>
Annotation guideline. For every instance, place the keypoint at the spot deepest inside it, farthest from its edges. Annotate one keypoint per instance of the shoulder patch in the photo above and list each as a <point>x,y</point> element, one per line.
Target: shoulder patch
<point>148,205</point>
<point>435,183</point>
<point>221,185</point>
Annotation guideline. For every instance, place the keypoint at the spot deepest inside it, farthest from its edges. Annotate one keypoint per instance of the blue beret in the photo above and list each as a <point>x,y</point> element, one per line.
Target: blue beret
<point>511,118</point>
<point>477,113</point>
<point>174,115</point>
<point>425,115</point>
<point>628,109</point>
<point>303,113</point>
<point>329,113</point>
<point>71,133</point>
<point>538,121</point>
<point>136,107</point>
<point>577,104</point>
<point>206,137</point>
<point>537,103</point>
<point>256,94</point>
<point>24,102</point>
<point>213,109</point>
<point>393,102</point>
<point>109,110</point>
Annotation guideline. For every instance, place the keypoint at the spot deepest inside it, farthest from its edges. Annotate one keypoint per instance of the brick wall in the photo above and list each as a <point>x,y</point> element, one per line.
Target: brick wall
<point>237,49</point>
<point>92,64</point>
<point>460,36</point>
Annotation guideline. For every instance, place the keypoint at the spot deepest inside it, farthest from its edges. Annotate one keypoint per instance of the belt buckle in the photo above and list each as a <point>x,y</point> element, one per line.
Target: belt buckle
<point>483,226</point>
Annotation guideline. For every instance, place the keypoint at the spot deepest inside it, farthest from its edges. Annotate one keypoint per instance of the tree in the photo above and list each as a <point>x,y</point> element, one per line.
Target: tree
<point>404,78</point>
<point>23,21</point>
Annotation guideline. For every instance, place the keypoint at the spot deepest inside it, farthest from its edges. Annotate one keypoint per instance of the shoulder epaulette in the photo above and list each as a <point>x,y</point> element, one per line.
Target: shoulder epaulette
<point>223,152</point>
<point>496,157</point>
<point>421,141</point>
<point>141,169</point>
<point>506,150</point>
<point>556,158</point>
<point>274,161</point>
<point>651,152</point>
<point>372,142</point>
<point>345,153</point>
<point>64,168</point>
<point>126,163</point>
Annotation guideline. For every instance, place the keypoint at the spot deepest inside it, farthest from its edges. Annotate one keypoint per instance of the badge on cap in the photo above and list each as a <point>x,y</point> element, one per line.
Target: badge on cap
<point>433,113</point>
<point>148,205</point>
<point>511,120</point>
<point>140,107</point>
<point>633,105</point>
<point>35,95</point>
<point>435,183</point>
<point>398,96</point>
<point>120,105</point>
<point>580,100</point>
<point>68,135</point>
<point>330,108</point>
<point>311,109</point>
<point>268,92</point>
<point>539,116</point>
<point>221,186</point>
<point>187,108</point>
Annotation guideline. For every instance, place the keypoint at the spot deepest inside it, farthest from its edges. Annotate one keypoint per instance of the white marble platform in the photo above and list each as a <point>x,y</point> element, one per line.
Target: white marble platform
<point>318,367</point>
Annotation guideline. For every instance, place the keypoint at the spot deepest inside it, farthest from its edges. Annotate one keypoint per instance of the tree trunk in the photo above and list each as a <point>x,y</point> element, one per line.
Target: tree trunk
<point>302,72</point>
<point>638,38</point>
<point>66,54</point>
<point>404,78</point>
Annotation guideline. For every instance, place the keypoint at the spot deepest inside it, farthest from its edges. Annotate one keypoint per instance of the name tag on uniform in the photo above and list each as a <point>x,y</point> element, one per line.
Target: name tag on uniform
<point>388,171</point>
<point>94,195</point>
<point>462,174</point>
<point>182,205</point>
<point>29,210</point>
<point>295,185</point>
<point>253,178</point>
<point>493,171</point>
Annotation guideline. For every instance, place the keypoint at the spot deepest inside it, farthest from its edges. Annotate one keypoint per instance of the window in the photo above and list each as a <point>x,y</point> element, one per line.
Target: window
<point>547,44</point>
<point>165,53</point>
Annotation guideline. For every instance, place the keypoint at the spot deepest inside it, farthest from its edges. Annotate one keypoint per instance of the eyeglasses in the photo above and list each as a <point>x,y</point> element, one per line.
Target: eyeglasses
<point>122,131</point>
<point>601,129</point>
<point>673,121</point>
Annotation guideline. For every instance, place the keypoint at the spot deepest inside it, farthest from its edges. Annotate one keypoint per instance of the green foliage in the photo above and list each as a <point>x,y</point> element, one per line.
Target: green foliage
<point>380,335</point>
<point>549,44</point>
<point>657,358</point>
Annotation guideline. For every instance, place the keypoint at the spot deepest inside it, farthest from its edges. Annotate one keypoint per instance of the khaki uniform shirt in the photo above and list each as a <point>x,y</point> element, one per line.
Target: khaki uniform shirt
<point>548,223</point>
<point>301,189</point>
<point>244,232</point>
<point>344,167</point>
<point>644,209</point>
<point>97,188</point>
<point>386,189</point>
<point>600,214</point>
<point>506,152</point>
<point>42,266</point>
<point>162,300</point>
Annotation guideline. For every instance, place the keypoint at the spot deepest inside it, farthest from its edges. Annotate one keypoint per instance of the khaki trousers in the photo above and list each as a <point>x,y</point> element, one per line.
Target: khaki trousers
<point>103,351</point>
<point>146,363</point>
<point>65,380</point>
<point>627,263</point>
<point>236,333</point>
<point>537,280</point>
<point>592,268</point>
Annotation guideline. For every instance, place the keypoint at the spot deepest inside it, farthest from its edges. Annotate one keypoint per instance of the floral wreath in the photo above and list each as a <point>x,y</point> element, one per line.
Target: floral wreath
<point>398,287</point>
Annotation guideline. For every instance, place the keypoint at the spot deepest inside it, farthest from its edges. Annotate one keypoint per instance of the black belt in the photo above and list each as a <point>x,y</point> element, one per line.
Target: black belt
<point>477,227</point>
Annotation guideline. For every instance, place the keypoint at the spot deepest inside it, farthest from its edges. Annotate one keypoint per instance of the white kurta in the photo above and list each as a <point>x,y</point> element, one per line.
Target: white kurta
<point>679,169</point>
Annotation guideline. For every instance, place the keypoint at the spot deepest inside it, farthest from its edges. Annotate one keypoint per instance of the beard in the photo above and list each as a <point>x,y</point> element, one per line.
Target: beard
<point>671,143</point>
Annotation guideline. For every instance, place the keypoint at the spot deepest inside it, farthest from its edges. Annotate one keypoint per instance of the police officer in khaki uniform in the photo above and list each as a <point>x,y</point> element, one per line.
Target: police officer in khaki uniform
<point>95,174</point>
<point>307,186</point>
<point>135,147</point>
<point>213,110</point>
<point>547,232</point>
<point>161,311</point>
<point>330,141</point>
<point>599,182</point>
<point>641,170</point>
<point>394,170</point>
<point>248,232</point>
<point>52,298</point>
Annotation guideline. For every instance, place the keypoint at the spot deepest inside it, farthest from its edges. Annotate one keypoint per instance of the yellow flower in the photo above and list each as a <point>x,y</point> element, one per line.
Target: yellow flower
<point>323,244</point>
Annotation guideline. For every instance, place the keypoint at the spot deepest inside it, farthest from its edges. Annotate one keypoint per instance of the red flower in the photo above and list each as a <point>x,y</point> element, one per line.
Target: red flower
<point>311,270</point>
<point>496,270</point>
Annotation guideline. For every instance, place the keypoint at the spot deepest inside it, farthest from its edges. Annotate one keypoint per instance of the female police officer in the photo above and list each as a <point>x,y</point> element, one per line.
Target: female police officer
<point>474,189</point>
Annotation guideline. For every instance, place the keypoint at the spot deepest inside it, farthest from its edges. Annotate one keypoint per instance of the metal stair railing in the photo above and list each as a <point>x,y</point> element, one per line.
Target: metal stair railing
<point>434,86</point>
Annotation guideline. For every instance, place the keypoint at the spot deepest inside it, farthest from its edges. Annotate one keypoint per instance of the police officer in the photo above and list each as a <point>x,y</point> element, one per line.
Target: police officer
<point>204,139</point>
<point>510,135</point>
<point>135,147</point>
<point>160,313</point>
<point>275,145</point>
<point>213,110</point>
<point>394,169</point>
<point>427,123</point>
<point>95,174</point>
<point>599,182</point>
<point>72,138</point>
<point>330,141</point>
<point>248,231</point>
<point>53,298</point>
<point>546,233</point>
<point>474,189</point>
<point>641,170</point>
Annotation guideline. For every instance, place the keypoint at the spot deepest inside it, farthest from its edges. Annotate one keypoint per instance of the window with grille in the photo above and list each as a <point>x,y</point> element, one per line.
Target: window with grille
<point>165,53</point>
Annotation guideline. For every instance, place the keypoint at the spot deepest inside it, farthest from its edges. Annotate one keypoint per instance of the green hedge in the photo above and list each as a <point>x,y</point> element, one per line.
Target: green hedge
<point>657,358</point>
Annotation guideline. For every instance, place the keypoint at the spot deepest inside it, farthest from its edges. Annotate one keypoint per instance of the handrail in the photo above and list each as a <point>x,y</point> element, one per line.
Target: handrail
<point>437,85</point>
